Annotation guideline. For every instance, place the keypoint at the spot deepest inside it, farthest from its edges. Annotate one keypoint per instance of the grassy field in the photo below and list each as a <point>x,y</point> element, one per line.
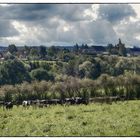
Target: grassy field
<point>118,119</point>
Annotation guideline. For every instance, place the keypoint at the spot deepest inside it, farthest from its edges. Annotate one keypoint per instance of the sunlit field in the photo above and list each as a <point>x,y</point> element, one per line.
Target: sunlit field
<point>95,119</point>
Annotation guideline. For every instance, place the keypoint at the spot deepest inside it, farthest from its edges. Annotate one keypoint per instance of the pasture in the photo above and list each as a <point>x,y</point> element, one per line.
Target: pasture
<point>95,119</point>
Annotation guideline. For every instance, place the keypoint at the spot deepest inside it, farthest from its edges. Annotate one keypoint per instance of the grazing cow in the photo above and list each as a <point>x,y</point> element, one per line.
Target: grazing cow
<point>53,101</point>
<point>61,101</point>
<point>122,97</point>
<point>85,101</point>
<point>26,104</point>
<point>79,100</point>
<point>8,105</point>
<point>69,101</point>
<point>39,103</point>
<point>33,102</point>
<point>42,103</point>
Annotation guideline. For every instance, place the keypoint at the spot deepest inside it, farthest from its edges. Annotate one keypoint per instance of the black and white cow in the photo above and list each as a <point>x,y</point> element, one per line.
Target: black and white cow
<point>26,104</point>
<point>8,105</point>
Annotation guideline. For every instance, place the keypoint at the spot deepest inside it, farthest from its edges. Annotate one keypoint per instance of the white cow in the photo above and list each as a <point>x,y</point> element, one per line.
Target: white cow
<point>26,104</point>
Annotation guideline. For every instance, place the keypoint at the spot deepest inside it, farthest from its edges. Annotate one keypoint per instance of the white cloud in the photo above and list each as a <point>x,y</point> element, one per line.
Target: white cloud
<point>136,7</point>
<point>92,12</point>
<point>4,5</point>
<point>70,24</point>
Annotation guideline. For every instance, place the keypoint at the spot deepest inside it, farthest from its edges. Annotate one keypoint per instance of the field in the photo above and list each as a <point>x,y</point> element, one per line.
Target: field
<point>118,119</point>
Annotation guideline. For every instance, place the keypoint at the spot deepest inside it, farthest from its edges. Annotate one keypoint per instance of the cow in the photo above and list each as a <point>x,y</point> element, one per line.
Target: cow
<point>8,105</point>
<point>26,104</point>
<point>42,103</point>
<point>79,100</point>
<point>122,98</point>
<point>69,101</point>
<point>53,101</point>
<point>39,103</point>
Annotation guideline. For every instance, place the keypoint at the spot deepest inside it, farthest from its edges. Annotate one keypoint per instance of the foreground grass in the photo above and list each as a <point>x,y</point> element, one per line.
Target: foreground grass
<point>118,119</point>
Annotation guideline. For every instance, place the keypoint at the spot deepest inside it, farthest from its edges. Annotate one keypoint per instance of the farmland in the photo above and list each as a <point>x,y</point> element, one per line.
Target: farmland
<point>28,75</point>
<point>95,119</point>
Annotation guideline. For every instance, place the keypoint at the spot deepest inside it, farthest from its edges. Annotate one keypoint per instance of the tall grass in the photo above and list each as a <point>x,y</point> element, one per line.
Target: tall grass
<point>118,119</point>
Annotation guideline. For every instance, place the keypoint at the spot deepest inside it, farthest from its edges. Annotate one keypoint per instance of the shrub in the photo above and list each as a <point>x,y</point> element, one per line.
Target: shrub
<point>41,74</point>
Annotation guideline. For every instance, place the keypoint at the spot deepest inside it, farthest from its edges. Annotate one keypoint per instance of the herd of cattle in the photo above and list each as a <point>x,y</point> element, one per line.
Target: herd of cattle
<point>66,101</point>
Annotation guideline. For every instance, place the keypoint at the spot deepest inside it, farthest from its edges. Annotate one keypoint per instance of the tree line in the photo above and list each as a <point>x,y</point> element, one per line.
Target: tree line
<point>126,86</point>
<point>15,71</point>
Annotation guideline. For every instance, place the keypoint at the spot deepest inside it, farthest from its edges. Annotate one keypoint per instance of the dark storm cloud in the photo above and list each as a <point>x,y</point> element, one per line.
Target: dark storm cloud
<point>115,12</point>
<point>46,16</point>
<point>7,29</point>
<point>30,12</point>
<point>73,12</point>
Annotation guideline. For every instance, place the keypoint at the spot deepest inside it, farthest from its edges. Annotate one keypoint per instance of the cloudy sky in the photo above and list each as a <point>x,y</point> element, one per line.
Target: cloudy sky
<point>67,24</point>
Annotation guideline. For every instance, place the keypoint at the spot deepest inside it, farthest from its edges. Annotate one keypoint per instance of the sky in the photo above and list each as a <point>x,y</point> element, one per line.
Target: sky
<point>68,24</point>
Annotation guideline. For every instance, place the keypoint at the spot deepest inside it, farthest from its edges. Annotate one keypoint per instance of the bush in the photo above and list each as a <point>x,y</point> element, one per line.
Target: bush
<point>123,86</point>
<point>13,72</point>
<point>41,74</point>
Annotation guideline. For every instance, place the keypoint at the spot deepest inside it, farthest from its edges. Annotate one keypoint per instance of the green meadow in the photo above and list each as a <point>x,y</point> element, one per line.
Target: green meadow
<point>95,119</point>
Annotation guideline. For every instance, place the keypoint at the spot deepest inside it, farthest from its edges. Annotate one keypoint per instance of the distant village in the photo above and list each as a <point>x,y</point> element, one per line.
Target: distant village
<point>22,52</point>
